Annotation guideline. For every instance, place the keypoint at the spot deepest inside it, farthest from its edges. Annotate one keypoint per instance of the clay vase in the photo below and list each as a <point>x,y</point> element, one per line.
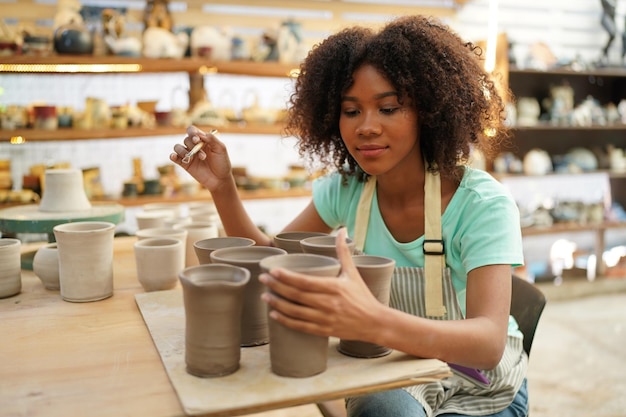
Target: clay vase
<point>159,261</point>
<point>290,241</point>
<point>64,191</point>
<point>254,328</point>
<point>213,297</point>
<point>46,266</point>
<point>376,272</point>
<point>203,248</point>
<point>293,353</point>
<point>85,260</point>
<point>10,267</point>
<point>324,245</point>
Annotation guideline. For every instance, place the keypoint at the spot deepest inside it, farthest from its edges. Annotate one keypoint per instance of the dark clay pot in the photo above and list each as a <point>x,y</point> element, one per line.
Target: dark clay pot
<point>73,39</point>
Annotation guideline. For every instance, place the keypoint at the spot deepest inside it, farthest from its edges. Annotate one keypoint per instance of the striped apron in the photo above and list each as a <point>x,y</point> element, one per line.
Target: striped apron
<point>428,292</point>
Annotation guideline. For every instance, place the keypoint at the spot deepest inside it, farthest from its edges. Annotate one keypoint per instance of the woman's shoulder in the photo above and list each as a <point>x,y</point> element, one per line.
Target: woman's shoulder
<point>482,184</point>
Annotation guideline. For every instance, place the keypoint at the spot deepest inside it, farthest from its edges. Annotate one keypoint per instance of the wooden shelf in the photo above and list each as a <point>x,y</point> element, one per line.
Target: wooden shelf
<point>38,135</point>
<point>595,72</point>
<point>571,228</point>
<point>550,127</point>
<point>83,64</point>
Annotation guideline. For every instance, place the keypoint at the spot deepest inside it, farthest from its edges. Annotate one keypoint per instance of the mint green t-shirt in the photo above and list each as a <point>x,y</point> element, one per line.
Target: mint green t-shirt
<point>480,226</point>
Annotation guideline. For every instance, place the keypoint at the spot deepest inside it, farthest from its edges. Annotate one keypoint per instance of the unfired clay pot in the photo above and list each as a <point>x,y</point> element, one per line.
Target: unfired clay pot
<point>254,328</point>
<point>290,241</point>
<point>196,231</point>
<point>293,353</point>
<point>159,261</point>
<point>376,272</point>
<point>205,247</point>
<point>85,260</point>
<point>46,266</point>
<point>323,245</point>
<point>213,297</point>
<point>64,190</point>
<point>10,267</point>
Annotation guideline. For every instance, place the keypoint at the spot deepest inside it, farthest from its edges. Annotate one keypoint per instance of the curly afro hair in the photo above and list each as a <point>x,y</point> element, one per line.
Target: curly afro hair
<point>429,65</point>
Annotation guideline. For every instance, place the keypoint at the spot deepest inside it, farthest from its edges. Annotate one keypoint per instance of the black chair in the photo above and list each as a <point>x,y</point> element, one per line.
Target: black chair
<point>527,303</point>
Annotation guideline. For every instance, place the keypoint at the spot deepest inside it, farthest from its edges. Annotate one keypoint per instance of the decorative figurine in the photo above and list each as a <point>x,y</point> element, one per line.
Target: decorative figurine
<point>608,23</point>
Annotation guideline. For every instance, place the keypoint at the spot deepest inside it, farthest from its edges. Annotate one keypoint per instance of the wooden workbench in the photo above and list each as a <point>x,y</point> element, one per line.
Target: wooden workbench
<point>99,359</point>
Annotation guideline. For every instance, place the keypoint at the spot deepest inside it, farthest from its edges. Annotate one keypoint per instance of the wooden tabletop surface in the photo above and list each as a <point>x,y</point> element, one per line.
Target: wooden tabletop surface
<point>67,359</point>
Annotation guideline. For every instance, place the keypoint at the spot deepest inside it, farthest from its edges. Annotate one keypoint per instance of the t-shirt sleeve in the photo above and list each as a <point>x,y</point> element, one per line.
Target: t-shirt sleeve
<point>491,234</point>
<point>335,201</point>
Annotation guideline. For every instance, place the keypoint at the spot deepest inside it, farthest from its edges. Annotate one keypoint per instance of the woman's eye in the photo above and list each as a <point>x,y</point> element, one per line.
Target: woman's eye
<point>388,110</point>
<point>350,112</point>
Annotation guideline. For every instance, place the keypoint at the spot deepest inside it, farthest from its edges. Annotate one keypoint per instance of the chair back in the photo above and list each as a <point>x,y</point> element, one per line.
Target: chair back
<point>527,303</point>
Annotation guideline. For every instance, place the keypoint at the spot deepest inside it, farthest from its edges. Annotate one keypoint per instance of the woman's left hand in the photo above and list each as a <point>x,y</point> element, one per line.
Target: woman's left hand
<point>340,306</point>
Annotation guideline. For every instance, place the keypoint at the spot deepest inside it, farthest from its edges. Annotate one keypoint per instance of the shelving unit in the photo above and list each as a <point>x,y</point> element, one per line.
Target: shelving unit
<point>606,85</point>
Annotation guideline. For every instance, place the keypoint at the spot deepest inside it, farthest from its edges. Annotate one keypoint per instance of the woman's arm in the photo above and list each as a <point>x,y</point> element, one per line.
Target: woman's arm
<point>345,308</point>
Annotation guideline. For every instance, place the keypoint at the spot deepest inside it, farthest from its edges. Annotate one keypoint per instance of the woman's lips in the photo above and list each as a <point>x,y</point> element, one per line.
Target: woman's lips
<point>372,151</point>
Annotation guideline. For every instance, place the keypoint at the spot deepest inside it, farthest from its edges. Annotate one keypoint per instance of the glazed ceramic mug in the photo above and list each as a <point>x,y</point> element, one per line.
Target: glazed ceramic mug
<point>293,353</point>
<point>85,260</point>
<point>213,297</point>
<point>10,267</point>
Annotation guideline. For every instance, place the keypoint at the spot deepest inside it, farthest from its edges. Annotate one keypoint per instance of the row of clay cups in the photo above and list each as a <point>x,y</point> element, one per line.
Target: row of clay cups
<point>169,214</point>
<point>292,353</point>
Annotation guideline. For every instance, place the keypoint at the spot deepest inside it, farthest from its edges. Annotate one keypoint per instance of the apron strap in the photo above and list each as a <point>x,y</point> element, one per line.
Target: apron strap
<point>434,251</point>
<point>363,213</point>
<point>434,257</point>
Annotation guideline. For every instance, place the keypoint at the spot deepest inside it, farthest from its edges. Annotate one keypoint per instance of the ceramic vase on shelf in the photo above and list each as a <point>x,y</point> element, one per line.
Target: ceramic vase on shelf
<point>213,297</point>
<point>293,353</point>
<point>46,266</point>
<point>254,328</point>
<point>85,260</point>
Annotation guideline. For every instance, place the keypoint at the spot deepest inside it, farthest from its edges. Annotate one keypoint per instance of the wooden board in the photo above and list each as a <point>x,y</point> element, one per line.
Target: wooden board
<point>254,388</point>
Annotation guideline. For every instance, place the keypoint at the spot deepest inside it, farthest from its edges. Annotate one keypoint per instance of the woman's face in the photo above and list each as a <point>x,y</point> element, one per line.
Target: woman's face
<point>380,133</point>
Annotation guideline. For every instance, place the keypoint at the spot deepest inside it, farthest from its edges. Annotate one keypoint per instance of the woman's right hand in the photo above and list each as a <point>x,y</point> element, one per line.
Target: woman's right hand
<point>211,166</point>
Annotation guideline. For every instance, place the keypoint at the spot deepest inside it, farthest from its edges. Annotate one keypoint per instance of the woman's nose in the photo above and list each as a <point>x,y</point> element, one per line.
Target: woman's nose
<point>369,126</point>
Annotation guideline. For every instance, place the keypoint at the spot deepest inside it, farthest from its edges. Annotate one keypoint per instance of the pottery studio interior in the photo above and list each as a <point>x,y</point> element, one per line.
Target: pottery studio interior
<point>100,91</point>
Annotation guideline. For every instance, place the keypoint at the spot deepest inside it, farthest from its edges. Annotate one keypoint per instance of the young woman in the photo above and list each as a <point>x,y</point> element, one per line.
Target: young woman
<point>397,113</point>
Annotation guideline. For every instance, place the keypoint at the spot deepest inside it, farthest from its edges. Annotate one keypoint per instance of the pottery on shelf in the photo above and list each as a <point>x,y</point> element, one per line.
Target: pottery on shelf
<point>46,266</point>
<point>64,191</point>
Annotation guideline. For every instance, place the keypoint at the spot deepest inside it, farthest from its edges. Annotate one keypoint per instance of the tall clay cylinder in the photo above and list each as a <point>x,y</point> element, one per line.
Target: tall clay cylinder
<point>85,260</point>
<point>213,297</point>
<point>293,353</point>
<point>254,328</point>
